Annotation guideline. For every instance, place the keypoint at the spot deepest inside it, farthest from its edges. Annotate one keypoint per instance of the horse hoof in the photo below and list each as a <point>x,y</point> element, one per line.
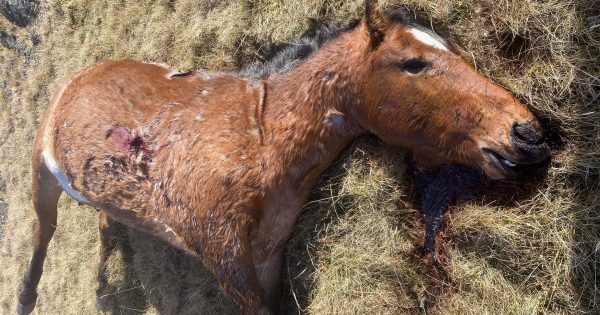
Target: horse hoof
<point>25,309</point>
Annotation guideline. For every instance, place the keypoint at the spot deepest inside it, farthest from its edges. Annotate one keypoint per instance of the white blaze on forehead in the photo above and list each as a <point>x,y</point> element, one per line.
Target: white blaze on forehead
<point>427,39</point>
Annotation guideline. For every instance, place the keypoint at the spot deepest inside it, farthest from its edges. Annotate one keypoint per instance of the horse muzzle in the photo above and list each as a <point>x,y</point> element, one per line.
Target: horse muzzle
<point>528,152</point>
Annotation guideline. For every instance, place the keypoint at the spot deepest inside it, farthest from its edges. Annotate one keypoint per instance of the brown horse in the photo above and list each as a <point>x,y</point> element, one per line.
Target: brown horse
<point>220,164</point>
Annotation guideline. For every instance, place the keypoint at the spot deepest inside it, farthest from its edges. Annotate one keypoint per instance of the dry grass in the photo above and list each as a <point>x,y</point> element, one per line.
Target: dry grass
<point>355,248</point>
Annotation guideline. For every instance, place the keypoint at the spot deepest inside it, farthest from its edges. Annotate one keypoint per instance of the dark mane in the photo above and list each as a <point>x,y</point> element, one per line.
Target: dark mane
<point>283,57</point>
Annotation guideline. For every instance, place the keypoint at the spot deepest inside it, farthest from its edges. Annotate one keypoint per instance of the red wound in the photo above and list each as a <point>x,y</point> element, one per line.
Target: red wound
<point>123,140</point>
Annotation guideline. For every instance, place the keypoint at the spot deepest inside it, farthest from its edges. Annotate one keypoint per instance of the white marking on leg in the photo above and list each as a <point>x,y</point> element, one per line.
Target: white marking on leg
<point>61,177</point>
<point>428,39</point>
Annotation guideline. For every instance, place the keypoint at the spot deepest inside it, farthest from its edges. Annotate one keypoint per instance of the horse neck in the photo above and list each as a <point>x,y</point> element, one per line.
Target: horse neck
<point>308,114</point>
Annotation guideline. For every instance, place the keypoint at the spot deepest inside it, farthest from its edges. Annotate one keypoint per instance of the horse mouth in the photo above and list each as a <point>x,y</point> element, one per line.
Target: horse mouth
<point>511,168</point>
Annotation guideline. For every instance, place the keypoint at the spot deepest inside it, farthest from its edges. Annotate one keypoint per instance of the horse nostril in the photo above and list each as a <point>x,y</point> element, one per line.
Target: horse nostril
<point>528,133</point>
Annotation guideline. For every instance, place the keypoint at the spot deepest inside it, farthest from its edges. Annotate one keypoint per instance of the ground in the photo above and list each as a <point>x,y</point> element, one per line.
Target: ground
<point>522,248</point>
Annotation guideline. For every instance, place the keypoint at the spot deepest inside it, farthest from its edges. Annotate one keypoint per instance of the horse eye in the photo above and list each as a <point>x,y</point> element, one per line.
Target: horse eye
<point>414,66</point>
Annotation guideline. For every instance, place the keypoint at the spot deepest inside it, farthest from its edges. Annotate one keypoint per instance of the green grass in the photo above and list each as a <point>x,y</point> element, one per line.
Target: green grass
<point>355,249</point>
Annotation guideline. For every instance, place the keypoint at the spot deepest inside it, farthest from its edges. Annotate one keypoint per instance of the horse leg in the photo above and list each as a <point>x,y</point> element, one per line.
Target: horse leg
<point>229,258</point>
<point>269,274</point>
<point>108,230</point>
<point>45,194</point>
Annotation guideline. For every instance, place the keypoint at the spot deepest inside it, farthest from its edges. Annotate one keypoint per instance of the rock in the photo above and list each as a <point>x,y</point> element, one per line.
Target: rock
<point>19,12</point>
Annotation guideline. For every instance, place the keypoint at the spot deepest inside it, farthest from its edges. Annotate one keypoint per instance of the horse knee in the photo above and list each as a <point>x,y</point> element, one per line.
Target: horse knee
<point>232,265</point>
<point>45,230</point>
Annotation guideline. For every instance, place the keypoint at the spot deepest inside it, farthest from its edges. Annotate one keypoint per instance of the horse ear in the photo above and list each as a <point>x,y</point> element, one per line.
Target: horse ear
<point>375,22</point>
